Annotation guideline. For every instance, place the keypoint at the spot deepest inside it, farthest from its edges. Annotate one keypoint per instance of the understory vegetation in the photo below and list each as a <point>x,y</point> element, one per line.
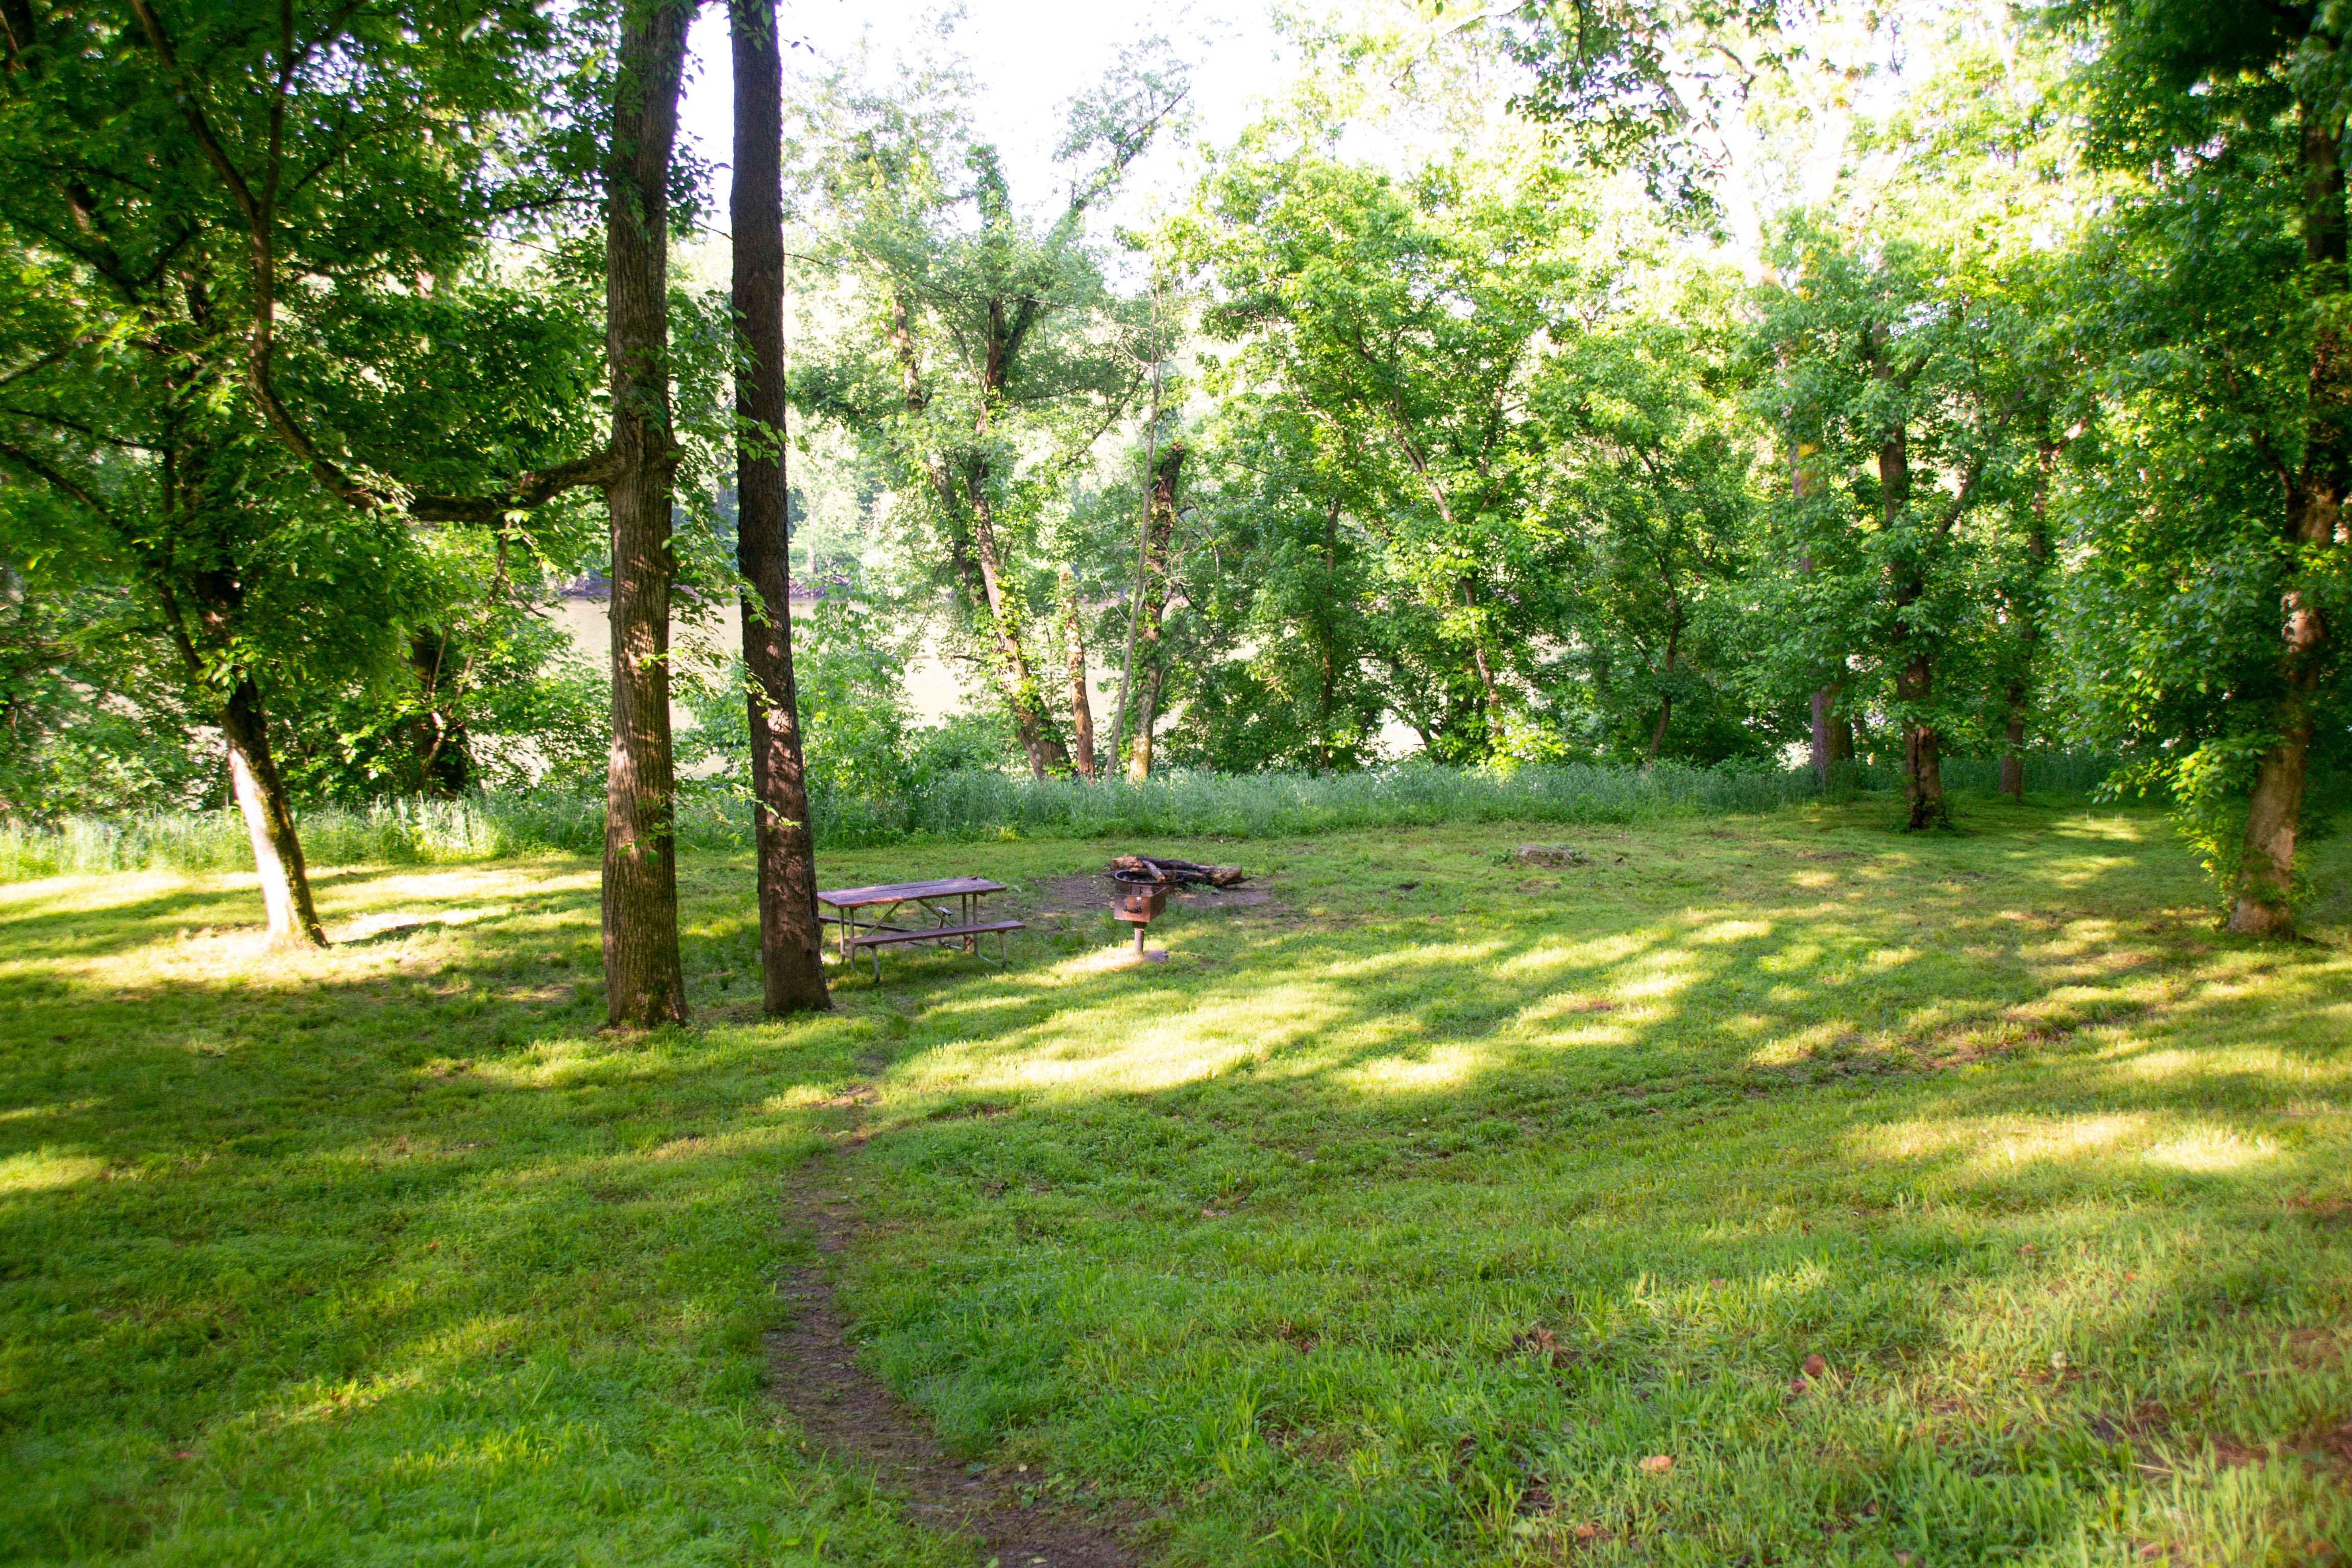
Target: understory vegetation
<point>1437,1211</point>
<point>954,807</point>
<point>978,803</point>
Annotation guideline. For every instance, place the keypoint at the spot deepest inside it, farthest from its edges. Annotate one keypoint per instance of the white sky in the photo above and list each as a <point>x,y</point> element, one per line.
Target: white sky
<point>1028,57</point>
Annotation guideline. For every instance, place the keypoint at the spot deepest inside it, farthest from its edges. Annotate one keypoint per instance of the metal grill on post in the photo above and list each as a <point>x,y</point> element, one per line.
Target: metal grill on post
<point>1141,896</point>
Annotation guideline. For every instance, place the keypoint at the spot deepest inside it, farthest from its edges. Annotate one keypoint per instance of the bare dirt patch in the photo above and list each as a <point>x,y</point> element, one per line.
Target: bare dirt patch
<point>1092,895</point>
<point>815,1376</point>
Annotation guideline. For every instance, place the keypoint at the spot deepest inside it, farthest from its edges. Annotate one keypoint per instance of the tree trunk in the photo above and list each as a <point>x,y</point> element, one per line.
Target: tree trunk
<point>1923,776</point>
<point>438,737</point>
<point>2028,612</point>
<point>792,954</point>
<point>1082,709</point>
<point>1666,699</point>
<point>1031,720</point>
<point>1490,694</point>
<point>1804,481</point>
<point>1822,759</point>
<point>1142,546</point>
<point>1915,686</point>
<point>2263,902</point>
<point>644,982</point>
<point>2012,755</point>
<point>1155,605</point>
<point>269,821</point>
<point>1327,689</point>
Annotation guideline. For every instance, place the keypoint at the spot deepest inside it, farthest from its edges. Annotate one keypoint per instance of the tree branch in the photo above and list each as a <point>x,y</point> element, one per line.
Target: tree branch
<point>37,468</point>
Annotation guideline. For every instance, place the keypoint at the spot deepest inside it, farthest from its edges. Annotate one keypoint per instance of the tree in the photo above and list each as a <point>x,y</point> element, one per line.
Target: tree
<point>1274,666</point>
<point>136,473</point>
<point>1652,489</point>
<point>1407,316</point>
<point>1159,532</point>
<point>977,365</point>
<point>2220,576</point>
<point>332,165</point>
<point>333,145</point>
<point>791,960</point>
<point>1899,375</point>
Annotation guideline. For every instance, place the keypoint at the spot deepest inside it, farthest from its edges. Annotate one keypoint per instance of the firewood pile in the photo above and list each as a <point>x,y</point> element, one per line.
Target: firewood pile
<point>1182,873</point>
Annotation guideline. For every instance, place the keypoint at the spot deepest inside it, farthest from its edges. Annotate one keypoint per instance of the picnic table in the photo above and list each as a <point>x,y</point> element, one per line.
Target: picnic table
<point>964,926</point>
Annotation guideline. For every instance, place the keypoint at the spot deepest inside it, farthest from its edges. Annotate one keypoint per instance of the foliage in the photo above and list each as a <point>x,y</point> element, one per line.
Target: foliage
<point>2213,309</point>
<point>853,713</point>
<point>70,743</point>
<point>1401,319</point>
<point>980,354</point>
<point>1652,493</point>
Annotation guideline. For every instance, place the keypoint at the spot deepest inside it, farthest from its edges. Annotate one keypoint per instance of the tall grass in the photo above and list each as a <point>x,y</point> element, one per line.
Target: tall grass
<point>968,806</point>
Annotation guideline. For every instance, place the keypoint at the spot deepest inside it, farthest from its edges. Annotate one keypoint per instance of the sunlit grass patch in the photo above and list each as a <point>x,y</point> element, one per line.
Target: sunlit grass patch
<point>39,1169</point>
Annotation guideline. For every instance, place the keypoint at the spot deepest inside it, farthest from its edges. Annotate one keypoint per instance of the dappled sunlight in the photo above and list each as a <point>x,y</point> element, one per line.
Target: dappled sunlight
<point>1548,1019</point>
<point>1440,1067</point>
<point>1672,975</point>
<point>41,1170</point>
<point>404,919</point>
<point>87,894</point>
<point>560,1063</point>
<point>1308,1191</point>
<point>1999,1142</point>
<point>1797,1046</point>
<point>1462,954</point>
<point>2001,1145</point>
<point>1550,954</point>
<point>320,1403</point>
<point>1102,1052</point>
<point>2209,1148</point>
<point>800,1097</point>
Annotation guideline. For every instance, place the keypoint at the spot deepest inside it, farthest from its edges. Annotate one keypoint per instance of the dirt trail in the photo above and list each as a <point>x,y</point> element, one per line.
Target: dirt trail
<point>814,1374</point>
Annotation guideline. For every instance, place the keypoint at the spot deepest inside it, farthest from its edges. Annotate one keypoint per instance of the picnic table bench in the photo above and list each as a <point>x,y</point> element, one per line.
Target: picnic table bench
<point>962,926</point>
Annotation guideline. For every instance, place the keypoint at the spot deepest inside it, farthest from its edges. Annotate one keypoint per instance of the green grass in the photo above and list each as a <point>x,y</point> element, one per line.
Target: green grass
<point>1397,1221</point>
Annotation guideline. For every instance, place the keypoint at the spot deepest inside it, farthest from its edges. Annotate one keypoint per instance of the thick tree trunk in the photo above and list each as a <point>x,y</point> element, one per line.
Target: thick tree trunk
<point>1923,776</point>
<point>1082,707</point>
<point>2263,902</point>
<point>792,953</point>
<point>1164,475</point>
<point>644,982</point>
<point>269,821</point>
<point>2012,755</point>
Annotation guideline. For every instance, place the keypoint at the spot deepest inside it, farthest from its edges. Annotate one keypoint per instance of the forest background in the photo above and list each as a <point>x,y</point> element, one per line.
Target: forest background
<point>1807,395</point>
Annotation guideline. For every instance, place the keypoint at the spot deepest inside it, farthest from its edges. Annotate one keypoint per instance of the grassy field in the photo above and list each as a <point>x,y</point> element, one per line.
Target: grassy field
<point>1440,1210</point>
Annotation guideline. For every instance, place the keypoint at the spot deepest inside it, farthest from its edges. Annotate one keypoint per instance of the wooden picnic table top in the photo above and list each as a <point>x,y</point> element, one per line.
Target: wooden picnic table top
<point>899,892</point>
